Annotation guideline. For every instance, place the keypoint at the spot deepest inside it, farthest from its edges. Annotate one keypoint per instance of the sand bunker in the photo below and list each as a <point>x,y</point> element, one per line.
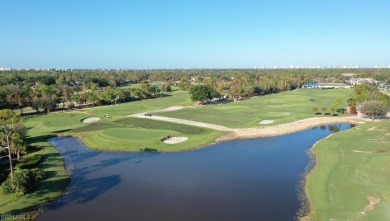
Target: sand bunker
<point>370,206</point>
<point>266,122</point>
<point>90,120</point>
<point>175,140</point>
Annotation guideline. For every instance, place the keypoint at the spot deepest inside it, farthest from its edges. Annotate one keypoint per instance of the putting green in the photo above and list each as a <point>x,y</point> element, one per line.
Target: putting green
<point>133,134</point>
<point>130,134</point>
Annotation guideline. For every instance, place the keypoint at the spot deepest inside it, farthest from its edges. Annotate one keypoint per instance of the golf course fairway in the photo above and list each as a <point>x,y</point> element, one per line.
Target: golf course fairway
<point>351,179</point>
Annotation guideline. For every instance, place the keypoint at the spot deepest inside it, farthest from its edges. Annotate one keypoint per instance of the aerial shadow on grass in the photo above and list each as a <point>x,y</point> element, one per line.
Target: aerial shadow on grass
<point>60,131</point>
<point>38,139</point>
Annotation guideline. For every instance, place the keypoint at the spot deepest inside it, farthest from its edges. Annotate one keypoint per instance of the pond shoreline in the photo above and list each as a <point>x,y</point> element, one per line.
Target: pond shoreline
<point>287,128</point>
<point>259,133</point>
<point>304,211</point>
<point>128,158</point>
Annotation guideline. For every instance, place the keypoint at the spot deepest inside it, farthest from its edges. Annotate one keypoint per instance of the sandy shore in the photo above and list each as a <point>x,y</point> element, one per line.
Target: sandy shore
<point>287,128</point>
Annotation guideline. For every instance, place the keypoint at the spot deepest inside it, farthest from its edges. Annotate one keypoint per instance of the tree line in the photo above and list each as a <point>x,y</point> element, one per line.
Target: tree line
<point>45,91</point>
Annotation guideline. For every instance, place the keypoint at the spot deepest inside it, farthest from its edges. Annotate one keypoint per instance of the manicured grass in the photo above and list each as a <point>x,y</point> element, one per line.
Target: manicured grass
<point>283,107</point>
<point>121,133</point>
<point>133,134</point>
<point>49,189</point>
<point>386,92</point>
<point>179,98</point>
<point>54,123</point>
<point>42,127</point>
<point>351,166</point>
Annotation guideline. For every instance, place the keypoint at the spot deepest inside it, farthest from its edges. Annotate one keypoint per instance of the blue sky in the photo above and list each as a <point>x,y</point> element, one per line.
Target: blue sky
<point>193,34</point>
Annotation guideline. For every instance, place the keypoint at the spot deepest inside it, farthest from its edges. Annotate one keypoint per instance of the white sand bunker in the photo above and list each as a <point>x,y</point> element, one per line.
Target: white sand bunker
<point>266,122</point>
<point>90,120</point>
<point>175,140</point>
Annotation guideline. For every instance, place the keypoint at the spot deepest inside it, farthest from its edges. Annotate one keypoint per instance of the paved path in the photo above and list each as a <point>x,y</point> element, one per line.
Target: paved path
<point>244,133</point>
<point>181,121</point>
<point>187,122</point>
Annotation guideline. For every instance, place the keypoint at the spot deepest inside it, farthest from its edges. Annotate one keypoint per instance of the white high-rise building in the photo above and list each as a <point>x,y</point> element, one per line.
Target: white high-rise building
<point>5,69</point>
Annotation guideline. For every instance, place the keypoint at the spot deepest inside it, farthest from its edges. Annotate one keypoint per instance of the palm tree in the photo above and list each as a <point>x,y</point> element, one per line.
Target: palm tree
<point>10,123</point>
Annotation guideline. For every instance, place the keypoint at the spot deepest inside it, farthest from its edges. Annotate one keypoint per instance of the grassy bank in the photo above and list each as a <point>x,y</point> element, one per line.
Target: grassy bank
<point>55,182</point>
<point>122,133</point>
<point>351,170</point>
<point>133,134</point>
<point>179,98</point>
<point>42,127</point>
<point>282,108</point>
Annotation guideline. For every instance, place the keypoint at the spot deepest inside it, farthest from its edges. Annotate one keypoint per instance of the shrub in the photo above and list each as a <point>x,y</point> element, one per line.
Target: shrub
<point>352,109</point>
<point>6,187</point>
<point>148,150</point>
<point>24,181</point>
<point>373,109</point>
<point>71,105</point>
<point>333,110</point>
<point>315,110</point>
<point>30,162</point>
<point>324,110</point>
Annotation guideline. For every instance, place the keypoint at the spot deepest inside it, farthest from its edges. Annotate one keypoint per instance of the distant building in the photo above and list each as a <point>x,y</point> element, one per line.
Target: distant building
<point>333,85</point>
<point>381,85</point>
<point>311,86</point>
<point>5,69</point>
<point>356,81</point>
<point>326,86</point>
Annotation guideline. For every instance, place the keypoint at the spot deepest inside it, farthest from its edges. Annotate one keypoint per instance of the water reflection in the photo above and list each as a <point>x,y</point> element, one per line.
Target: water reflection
<point>240,180</point>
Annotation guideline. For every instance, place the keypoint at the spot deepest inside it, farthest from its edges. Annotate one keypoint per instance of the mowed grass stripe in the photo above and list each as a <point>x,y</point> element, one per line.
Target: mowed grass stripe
<point>133,134</point>
<point>282,108</point>
<point>350,167</point>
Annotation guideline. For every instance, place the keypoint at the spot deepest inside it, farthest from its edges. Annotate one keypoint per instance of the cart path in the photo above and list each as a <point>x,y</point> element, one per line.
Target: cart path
<point>244,133</point>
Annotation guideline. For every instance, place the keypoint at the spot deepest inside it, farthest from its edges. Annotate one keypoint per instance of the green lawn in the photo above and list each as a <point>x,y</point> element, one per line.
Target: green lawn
<point>351,166</point>
<point>133,134</point>
<point>122,133</point>
<point>179,98</point>
<point>49,189</point>
<point>282,107</point>
<point>42,127</point>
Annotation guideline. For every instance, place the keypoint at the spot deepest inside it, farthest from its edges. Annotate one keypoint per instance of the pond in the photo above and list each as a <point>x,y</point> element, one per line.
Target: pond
<point>255,179</point>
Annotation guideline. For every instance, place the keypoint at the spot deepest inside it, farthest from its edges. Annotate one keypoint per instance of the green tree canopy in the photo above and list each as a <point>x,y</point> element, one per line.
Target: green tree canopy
<point>203,93</point>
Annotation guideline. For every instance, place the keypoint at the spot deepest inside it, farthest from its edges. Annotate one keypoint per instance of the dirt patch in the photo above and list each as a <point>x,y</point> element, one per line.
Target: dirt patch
<point>175,140</point>
<point>266,122</point>
<point>382,151</point>
<point>90,120</point>
<point>370,206</point>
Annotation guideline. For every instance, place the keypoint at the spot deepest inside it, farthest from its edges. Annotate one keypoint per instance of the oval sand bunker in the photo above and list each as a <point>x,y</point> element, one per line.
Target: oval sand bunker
<point>266,122</point>
<point>175,140</point>
<point>90,120</point>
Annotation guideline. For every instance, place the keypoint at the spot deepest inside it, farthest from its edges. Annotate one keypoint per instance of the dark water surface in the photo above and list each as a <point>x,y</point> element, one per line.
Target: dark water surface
<point>241,180</point>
